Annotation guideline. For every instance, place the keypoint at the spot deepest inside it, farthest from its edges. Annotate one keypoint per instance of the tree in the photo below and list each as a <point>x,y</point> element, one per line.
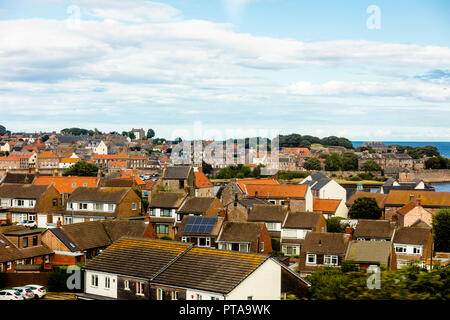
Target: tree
<point>333,162</point>
<point>441,230</point>
<point>150,133</point>
<point>437,163</point>
<point>334,225</point>
<point>370,165</point>
<point>82,168</point>
<point>349,161</point>
<point>44,138</point>
<point>365,208</point>
<point>312,164</point>
<point>206,167</point>
<point>2,130</point>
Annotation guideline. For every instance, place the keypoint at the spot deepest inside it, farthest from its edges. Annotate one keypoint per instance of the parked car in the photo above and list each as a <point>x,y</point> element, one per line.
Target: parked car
<point>26,293</point>
<point>28,223</point>
<point>10,295</point>
<point>38,290</point>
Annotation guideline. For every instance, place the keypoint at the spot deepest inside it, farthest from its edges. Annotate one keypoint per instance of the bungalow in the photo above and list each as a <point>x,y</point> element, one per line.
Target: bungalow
<point>413,244</point>
<point>101,203</point>
<point>371,253</point>
<point>19,202</point>
<point>244,237</point>
<point>295,228</point>
<point>170,270</point>
<point>163,212</point>
<point>374,230</point>
<point>323,249</point>
<point>272,215</point>
<point>78,242</point>
<point>201,231</point>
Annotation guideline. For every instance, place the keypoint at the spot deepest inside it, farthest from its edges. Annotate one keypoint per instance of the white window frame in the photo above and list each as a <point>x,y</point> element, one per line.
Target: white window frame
<point>207,242</point>
<point>140,288</point>
<point>133,206</point>
<point>402,249</point>
<point>107,283</point>
<point>311,255</point>
<point>94,280</point>
<point>419,249</point>
<point>330,259</point>
<point>262,246</point>
<point>246,247</point>
<point>126,285</point>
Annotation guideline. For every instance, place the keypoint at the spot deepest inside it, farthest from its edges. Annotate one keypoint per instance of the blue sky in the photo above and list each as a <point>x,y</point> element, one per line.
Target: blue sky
<point>232,67</point>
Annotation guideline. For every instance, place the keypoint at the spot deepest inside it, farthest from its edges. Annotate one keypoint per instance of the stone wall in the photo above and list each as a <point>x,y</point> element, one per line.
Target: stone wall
<point>427,175</point>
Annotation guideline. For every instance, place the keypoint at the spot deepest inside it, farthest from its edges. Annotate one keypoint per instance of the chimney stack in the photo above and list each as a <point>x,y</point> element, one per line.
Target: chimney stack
<point>58,223</point>
<point>235,200</point>
<point>349,232</point>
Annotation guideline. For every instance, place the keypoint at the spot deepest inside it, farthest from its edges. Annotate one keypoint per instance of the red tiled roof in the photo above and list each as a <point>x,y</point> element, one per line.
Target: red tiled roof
<point>47,155</point>
<point>241,182</point>
<point>276,190</point>
<point>66,184</point>
<point>427,198</point>
<point>326,205</point>
<point>202,181</point>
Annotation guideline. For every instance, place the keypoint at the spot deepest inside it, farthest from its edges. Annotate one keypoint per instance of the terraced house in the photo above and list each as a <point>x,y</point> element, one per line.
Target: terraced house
<point>170,270</point>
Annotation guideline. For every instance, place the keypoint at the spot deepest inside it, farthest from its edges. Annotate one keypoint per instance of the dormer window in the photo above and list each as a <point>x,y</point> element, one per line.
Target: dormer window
<point>74,185</point>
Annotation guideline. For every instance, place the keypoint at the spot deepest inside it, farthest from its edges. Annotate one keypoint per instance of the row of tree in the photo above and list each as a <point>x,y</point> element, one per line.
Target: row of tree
<point>296,140</point>
<point>347,161</point>
<point>239,171</point>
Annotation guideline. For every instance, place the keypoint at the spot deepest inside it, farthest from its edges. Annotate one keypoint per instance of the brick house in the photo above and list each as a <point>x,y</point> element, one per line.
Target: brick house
<point>162,211</point>
<point>202,186</point>
<point>372,253</point>
<point>413,244</point>
<point>272,215</point>
<point>179,179</point>
<point>200,231</point>
<point>374,230</point>
<point>47,160</point>
<point>19,202</point>
<point>412,213</point>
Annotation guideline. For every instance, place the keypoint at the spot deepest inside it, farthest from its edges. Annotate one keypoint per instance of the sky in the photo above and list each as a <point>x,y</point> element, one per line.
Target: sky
<point>216,69</point>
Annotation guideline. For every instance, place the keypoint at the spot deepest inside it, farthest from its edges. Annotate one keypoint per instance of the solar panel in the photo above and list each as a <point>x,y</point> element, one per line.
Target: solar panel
<point>199,225</point>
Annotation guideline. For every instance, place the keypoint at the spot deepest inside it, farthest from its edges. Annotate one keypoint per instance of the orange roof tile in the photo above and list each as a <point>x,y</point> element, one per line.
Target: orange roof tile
<point>66,184</point>
<point>47,155</point>
<point>69,160</point>
<point>379,197</point>
<point>407,207</point>
<point>241,182</point>
<point>276,190</point>
<point>201,181</point>
<point>427,198</point>
<point>326,205</point>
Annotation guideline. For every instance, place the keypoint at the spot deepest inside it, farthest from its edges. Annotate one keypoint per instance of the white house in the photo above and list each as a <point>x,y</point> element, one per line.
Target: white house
<point>323,187</point>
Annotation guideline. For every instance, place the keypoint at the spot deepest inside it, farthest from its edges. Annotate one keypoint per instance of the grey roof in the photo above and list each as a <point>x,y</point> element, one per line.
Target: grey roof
<point>267,212</point>
<point>325,243</point>
<point>374,229</point>
<point>377,252</point>
<point>319,175</point>
<point>197,205</point>
<point>22,191</point>
<point>64,239</point>
<point>302,220</point>
<point>320,184</point>
<point>18,177</point>
<point>249,203</point>
<point>167,200</point>
<point>412,235</point>
<point>176,173</point>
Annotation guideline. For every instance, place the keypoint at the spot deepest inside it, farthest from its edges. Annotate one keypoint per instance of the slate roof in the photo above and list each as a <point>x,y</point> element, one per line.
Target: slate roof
<point>101,194</point>
<point>412,235</point>
<point>18,177</point>
<point>210,269</point>
<point>138,257</point>
<point>250,202</point>
<point>176,173</point>
<point>369,252</point>
<point>167,200</point>
<point>374,229</point>
<point>197,205</point>
<point>267,212</point>
<point>302,220</point>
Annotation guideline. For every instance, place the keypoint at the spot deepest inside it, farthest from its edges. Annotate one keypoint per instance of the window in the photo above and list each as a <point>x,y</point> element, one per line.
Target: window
<point>250,298</point>
<point>174,295</point>
<point>110,207</point>
<point>291,250</point>
<point>107,282</point>
<point>20,203</point>
<point>35,240</point>
<point>289,233</point>
<point>331,260</point>
<point>166,213</point>
<point>126,284</point>
<point>159,294</point>
<point>181,184</point>
<point>94,280</point>
<point>31,203</point>
<point>25,242</point>
<point>401,249</point>
<point>243,247</point>
<point>199,296</point>
<point>133,206</point>
<point>271,226</point>
<point>82,206</point>
<point>214,298</point>
<point>162,228</point>
<point>68,220</point>
<point>417,250</point>
<point>204,242</point>
<point>55,202</point>
<point>8,265</point>
<point>140,288</point>
<point>47,258</point>
<point>262,245</point>
<point>152,212</point>
<point>311,258</point>
<point>98,206</point>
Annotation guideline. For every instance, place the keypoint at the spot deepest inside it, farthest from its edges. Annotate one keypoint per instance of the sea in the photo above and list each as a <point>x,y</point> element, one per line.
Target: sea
<point>443,147</point>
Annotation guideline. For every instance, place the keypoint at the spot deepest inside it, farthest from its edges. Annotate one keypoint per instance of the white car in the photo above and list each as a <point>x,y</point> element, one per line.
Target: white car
<point>10,295</point>
<point>26,293</point>
<point>28,223</point>
<point>38,290</point>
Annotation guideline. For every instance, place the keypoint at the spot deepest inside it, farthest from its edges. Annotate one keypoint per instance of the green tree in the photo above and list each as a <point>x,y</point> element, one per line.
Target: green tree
<point>44,138</point>
<point>437,163</point>
<point>441,230</point>
<point>349,161</point>
<point>206,167</point>
<point>365,208</point>
<point>370,165</point>
<point>312,164</point>
<point>82,168</point>
<point>150,133</point>
<point>334,225</point>
<point>333,162</point>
